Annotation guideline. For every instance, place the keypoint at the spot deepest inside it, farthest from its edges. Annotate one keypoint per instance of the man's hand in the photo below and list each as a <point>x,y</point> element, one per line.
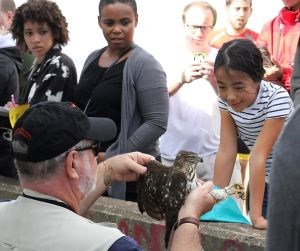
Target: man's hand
<point>126,167</point>
<point>191,73</point>
<point>273,73</point>
<point>198,202</point>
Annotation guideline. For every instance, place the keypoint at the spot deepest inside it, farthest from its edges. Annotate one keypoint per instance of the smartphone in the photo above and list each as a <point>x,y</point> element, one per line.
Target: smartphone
<point>199,57</point>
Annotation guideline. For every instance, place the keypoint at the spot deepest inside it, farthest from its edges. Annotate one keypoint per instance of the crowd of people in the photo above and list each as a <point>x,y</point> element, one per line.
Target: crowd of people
<point>215,96</point>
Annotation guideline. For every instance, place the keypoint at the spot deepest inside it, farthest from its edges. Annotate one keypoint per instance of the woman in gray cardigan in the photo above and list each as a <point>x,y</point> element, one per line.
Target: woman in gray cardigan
<point>125,83</point>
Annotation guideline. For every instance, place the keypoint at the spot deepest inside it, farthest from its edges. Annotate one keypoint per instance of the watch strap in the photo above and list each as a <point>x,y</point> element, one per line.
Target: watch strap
<point>190,220</point>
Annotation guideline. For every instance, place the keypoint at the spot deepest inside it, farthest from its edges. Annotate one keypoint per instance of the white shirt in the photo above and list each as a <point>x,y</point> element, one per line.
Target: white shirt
<point>29,224</point>
<point>194,120</point>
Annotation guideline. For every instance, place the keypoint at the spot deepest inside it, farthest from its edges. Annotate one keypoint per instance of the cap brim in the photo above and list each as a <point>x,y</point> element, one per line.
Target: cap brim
<point>102,129</point>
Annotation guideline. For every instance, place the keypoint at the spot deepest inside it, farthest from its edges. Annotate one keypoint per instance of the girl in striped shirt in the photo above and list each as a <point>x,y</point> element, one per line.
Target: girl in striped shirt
<point>255,110</point>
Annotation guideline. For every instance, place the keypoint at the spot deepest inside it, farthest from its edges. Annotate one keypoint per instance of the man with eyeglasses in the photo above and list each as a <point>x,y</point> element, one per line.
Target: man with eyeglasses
<point>55,147</point>
<point>193,115</point>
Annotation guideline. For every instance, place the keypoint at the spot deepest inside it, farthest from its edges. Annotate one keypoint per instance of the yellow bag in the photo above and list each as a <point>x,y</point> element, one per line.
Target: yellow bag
<point>16,113</point>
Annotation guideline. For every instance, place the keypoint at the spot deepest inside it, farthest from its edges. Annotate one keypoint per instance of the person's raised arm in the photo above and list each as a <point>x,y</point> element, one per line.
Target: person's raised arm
<point>191,73</point>
<point>125,167</point>
<point>187,236</point>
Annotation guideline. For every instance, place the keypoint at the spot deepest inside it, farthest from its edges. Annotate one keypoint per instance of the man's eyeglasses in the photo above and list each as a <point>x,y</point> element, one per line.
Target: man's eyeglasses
<point>195,28</point>
<point>95,148</point>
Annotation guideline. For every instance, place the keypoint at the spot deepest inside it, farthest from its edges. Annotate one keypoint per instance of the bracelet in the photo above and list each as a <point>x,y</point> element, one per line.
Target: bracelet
<point>107,175</point>
<point>186,220</point>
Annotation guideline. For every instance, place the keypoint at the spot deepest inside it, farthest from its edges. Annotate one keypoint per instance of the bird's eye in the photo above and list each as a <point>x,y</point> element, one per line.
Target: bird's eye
<point>191,157</point>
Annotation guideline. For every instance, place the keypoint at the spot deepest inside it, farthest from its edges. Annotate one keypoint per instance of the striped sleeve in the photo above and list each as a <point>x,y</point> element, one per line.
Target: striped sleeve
<point>279,105</point>
<point>222,105</point>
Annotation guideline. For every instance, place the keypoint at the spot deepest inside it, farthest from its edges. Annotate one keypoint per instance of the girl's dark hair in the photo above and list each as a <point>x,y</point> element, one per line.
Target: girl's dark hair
<point>241,55</point>
<point>40,11</point>
<point>132,3</point>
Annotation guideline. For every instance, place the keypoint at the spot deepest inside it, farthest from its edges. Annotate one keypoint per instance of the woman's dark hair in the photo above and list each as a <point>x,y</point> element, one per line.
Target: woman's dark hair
<point>40,11</point>
<point>241,55</point>
<point>132,3</point>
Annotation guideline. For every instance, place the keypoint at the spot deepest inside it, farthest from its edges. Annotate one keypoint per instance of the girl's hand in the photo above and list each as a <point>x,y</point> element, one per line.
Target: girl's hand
<point>10,105</point>
<point>259,223</point>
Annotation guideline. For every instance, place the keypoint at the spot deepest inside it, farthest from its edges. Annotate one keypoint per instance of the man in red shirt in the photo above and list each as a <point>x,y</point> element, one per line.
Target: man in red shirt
<point>239,12</point>
<point>281,37</point>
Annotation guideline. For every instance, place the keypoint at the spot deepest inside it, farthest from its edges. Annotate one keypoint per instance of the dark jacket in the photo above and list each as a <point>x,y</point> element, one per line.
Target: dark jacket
<point>10,66</point>
<point>295,83</point>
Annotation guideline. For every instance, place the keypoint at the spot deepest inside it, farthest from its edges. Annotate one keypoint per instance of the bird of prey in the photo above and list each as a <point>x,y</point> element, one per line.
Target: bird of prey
<point>267,62</point>
<point>162,190</point>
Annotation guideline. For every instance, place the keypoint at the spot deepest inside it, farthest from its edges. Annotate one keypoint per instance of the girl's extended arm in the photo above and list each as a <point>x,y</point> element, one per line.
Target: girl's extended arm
<point>227,152</point>
<point>257,165</point>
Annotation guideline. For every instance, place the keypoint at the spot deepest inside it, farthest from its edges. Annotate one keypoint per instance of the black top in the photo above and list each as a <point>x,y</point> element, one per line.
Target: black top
<point>99,92</point>
<point>10,66</point>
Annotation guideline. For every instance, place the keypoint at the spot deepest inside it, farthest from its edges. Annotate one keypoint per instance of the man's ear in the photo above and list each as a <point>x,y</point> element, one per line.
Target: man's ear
<point>10,16</point>
<point>71,164</point>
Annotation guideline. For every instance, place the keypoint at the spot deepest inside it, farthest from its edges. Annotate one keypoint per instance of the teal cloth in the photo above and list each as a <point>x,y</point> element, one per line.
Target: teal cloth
<point>225,211</point>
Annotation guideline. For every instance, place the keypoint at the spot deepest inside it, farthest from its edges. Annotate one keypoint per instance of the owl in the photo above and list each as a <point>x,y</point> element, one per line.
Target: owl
<point>162,190</point>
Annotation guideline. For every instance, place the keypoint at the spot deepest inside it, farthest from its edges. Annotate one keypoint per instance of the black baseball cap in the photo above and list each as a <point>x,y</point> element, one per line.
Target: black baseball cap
<point>48,129</point>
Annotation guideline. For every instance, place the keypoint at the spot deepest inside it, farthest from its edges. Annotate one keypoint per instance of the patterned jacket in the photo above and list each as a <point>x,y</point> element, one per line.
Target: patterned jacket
<point>53,80</point>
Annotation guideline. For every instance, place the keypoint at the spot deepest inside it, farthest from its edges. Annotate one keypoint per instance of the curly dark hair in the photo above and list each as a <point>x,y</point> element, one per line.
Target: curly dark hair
<point>40,11</point>
<point>132,3</point>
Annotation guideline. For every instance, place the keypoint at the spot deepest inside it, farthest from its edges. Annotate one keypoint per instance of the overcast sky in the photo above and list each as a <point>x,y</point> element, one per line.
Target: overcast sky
<point>159,23</point>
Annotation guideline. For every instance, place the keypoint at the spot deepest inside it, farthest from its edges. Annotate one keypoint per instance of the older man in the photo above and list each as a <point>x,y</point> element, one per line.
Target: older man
<point>55,145</point>
<point>194,121</point>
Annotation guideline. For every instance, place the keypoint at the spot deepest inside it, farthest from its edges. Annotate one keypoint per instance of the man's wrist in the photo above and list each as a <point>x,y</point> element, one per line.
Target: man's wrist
<point>183,78</point>
<point>108,175</point>
<point>189,220</point>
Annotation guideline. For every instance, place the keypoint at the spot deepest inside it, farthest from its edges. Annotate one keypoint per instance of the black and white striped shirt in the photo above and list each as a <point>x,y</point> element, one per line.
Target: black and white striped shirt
<point>272,101</point>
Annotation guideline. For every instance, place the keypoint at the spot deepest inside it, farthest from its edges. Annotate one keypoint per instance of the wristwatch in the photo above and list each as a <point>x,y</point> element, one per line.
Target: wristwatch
<point>186,220</point>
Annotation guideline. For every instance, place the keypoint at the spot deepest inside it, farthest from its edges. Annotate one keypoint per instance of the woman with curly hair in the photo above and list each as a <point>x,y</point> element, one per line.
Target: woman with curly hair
<point>40,28</point>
